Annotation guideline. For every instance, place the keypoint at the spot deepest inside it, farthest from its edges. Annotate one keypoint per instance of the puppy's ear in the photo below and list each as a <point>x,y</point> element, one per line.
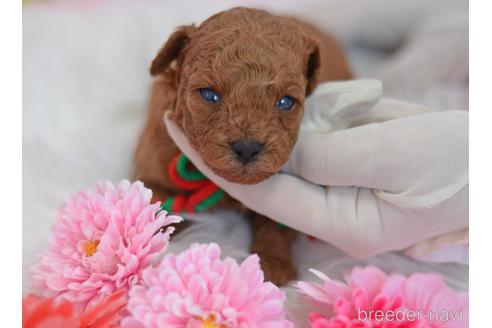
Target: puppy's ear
<point>171,49</point>
<point>313,64</point>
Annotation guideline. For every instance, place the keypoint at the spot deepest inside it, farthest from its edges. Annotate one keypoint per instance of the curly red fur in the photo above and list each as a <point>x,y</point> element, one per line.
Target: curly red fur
<point>251,58</point>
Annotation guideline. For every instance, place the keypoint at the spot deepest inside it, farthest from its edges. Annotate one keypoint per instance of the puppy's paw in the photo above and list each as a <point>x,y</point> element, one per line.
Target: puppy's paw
<point>278,271</point>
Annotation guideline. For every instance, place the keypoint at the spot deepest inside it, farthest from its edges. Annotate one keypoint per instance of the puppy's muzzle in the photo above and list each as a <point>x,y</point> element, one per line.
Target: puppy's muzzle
<point>246,151</point>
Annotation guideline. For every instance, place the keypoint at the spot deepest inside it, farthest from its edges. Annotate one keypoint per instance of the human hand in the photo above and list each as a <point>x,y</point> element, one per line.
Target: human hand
<point>367,189</point>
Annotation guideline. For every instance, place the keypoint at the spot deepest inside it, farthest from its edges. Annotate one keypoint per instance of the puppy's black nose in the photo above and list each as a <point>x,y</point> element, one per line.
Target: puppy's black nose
<point>246,151</point>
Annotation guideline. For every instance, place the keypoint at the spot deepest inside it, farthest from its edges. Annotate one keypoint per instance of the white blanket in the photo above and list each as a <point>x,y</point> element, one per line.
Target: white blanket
<point>86,87</point>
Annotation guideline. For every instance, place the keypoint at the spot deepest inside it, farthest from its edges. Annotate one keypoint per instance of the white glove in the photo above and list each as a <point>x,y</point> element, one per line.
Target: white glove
<point>370,188</point>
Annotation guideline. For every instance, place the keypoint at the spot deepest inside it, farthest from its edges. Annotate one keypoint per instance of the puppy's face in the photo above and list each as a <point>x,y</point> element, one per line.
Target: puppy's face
<point>241,80</point>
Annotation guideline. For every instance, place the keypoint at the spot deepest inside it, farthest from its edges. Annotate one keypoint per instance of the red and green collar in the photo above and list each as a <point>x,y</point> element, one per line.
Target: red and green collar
<point>200,193</point>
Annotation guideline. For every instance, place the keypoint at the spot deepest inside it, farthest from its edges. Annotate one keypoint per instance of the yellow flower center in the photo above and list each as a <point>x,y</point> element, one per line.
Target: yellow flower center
<point>210,322</point>
<point>90,247</point>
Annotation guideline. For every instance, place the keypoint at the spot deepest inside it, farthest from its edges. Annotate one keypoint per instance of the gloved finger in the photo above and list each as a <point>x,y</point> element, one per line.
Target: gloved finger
<point>336,105</point>
<point>342,105</point>
<point>346,104</point>
<point>418,154</point>
<point>389,109</point>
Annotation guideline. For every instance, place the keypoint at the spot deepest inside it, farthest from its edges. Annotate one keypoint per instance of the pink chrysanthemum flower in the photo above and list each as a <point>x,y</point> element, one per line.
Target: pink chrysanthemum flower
<point>371,299</point>
<point>198,289</point>
<point>101,241</point>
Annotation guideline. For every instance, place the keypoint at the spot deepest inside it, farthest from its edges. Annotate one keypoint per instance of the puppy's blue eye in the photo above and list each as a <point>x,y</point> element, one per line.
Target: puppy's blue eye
<point>285,103</point>
<point>209,95</point>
